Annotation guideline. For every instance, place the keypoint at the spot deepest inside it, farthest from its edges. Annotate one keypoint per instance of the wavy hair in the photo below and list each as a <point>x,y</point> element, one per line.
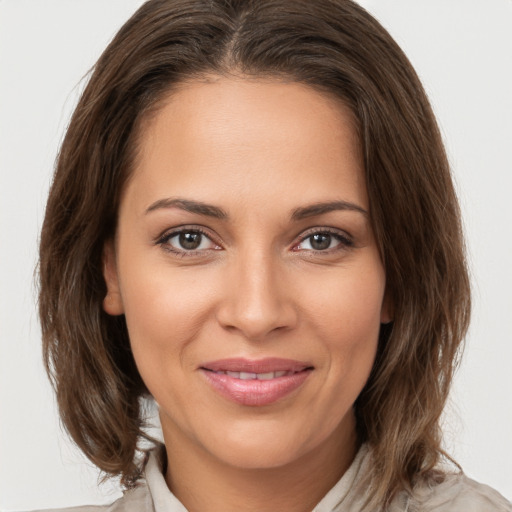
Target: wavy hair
<point>333,46</point>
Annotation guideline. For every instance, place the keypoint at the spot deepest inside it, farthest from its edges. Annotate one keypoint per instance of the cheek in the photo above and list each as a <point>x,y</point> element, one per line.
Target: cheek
<point>165,310</point>
<point>345,315</point>
<point>348,307</point>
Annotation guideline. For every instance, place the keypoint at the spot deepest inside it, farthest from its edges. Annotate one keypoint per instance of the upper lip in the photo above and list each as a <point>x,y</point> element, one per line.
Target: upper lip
<point>268,364</point>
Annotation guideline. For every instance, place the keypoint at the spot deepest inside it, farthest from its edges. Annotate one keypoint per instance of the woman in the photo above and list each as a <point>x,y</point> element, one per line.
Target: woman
<point>253,222</point>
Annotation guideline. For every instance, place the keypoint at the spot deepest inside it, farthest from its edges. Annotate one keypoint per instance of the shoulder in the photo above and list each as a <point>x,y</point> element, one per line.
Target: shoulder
<point>133,500</point>
<point>458,493</point>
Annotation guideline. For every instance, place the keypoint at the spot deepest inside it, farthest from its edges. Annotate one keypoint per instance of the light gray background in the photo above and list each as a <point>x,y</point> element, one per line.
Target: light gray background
<point>462,49</point>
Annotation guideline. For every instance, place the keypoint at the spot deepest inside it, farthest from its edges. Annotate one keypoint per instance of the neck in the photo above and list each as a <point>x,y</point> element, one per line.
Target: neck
<point>204,483</point>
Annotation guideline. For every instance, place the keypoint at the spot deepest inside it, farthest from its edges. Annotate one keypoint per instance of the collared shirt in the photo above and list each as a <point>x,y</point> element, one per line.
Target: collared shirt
<point>457,493</point>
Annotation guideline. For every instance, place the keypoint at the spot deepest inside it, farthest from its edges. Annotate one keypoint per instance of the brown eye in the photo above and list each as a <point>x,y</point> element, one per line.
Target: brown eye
<point>187,242</point>
<point>190,240</point>
<point>325,241</point>
<point>320,241</point>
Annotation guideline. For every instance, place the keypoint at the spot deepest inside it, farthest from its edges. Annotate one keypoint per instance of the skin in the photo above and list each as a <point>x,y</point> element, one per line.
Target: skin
<point>255,288</point>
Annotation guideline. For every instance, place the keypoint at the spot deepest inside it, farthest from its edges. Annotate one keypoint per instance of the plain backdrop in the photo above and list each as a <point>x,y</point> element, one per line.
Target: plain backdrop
<point>462,50</point>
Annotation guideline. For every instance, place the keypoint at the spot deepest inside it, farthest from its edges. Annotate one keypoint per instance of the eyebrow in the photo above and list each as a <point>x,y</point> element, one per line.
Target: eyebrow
<point>319,208</point>
<point>190,206</point>
<point>210,210</point>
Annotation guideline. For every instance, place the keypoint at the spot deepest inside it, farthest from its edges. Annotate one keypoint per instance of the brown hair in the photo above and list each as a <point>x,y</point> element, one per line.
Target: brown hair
<point>334,46</point>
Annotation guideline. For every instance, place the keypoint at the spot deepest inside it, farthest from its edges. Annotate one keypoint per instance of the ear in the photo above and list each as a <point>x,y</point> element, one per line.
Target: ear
<point>112,303</point>
<point>387,311</point>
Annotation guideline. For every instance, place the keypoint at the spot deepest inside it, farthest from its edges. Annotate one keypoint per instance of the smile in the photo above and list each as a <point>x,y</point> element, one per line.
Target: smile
<point>258,376</point>
<point>255,383</point>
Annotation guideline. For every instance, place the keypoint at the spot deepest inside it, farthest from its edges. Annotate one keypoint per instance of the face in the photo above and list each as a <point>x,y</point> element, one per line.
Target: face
<point>247,270</point>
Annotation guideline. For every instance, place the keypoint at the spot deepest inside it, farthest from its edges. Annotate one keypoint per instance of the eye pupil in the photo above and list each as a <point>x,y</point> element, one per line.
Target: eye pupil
<point>320,241</point>
<point>190,240</point>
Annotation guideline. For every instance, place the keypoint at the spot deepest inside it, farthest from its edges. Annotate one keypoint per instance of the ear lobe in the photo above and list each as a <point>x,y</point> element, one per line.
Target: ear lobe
<point>387,310</point>
<point>112,303</point>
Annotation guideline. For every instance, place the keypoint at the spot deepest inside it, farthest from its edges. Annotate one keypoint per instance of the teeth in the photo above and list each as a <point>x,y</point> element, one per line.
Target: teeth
<point>265,376</point>
<point>253,376</point>
<point>247,376</point>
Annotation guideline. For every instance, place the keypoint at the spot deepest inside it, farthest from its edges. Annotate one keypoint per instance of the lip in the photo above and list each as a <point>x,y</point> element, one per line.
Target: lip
<point>254,392</point>
<point>268,364</point>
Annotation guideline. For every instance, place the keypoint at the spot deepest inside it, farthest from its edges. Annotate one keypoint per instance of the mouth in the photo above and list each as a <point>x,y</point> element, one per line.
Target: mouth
<point>253,376</point>
<point>256,382</point>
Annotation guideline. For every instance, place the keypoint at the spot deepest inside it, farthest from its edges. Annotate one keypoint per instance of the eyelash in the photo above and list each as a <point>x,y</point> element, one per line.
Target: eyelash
<point>345,242</point>
<point>164,241</point>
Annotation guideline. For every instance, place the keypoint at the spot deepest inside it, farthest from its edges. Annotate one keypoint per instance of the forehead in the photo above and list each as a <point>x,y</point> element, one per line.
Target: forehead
<point>249,138</point>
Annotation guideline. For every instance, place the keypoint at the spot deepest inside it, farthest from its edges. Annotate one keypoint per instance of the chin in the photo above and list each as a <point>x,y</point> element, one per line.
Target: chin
<point>261,445</point>
<point>259,456</point>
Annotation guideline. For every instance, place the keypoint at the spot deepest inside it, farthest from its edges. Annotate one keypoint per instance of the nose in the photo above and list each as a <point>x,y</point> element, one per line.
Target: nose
<point>256,300</point>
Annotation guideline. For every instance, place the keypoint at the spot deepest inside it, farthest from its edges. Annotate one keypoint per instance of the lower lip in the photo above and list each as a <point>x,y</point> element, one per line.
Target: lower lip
<point>255,392</point>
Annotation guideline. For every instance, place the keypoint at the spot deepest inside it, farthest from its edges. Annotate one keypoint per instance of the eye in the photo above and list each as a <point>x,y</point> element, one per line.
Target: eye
<point>187,241</point>
<point>324,241</point>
